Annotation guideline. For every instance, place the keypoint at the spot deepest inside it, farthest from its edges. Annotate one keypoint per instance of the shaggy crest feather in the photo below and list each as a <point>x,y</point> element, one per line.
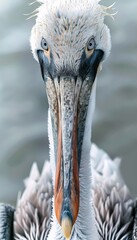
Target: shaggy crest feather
<point>106,10</point>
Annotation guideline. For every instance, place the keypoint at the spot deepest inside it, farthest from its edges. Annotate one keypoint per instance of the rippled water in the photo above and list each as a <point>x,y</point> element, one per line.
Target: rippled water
<point>23,103</point>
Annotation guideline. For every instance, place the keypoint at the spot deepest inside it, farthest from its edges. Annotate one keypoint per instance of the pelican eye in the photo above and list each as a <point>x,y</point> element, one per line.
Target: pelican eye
<point>91,44</point>
<point>44,44</point>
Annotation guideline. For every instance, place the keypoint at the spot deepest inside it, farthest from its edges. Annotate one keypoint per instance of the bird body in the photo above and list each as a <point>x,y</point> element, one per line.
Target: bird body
<point>113,207</point>
<point>80,193</point>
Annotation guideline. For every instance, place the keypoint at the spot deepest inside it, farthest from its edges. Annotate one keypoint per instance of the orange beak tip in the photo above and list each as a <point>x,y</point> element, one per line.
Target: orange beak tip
<point>66,225</point>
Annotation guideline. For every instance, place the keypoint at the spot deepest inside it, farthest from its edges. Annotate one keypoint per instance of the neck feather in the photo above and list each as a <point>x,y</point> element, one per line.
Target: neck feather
<point>85,225</point>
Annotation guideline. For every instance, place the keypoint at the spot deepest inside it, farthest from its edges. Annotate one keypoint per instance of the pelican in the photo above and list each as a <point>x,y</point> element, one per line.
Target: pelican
<point>80,194</point>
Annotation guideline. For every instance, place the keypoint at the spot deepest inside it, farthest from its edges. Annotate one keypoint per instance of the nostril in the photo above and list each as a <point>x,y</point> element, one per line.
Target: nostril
<point>58,79</point>
<point>75,77</point>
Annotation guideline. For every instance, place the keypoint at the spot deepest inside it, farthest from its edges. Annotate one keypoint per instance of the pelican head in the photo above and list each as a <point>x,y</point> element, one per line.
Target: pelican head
<point>70,41</point>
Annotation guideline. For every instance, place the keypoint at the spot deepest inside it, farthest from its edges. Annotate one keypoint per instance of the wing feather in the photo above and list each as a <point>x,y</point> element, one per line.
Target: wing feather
<point>114,206</point>
<point>34,208</point>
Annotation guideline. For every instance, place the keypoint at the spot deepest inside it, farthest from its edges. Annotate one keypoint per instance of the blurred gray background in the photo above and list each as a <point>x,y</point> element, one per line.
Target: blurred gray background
<point>23,103</point>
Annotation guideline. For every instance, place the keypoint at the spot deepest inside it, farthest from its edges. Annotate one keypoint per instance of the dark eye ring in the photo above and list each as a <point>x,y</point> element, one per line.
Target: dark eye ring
<point>91,44</point>
<point>44,44</point>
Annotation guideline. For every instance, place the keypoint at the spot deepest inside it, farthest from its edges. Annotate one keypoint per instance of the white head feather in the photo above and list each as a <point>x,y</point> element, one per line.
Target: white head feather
<point>67,25</point>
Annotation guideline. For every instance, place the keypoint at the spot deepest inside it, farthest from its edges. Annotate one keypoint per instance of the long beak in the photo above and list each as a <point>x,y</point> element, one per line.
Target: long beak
<point>68,99</point>
<point>66,188</point>
<point>66,191</point>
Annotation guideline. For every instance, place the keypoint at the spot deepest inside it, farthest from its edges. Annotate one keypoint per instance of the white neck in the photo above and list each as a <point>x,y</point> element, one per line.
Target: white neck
<point>84,227</point>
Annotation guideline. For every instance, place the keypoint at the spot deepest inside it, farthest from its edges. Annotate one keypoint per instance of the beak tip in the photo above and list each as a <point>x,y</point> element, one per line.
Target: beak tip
<point>67,225</point>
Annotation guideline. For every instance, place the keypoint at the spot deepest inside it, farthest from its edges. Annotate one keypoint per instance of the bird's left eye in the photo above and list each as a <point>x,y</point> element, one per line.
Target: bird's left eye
<point>44,44</point>
<point>91,44</point>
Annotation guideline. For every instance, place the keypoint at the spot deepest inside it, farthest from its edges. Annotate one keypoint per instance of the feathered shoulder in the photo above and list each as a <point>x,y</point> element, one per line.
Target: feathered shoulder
<point>34,208</point>
<point>113,204</point>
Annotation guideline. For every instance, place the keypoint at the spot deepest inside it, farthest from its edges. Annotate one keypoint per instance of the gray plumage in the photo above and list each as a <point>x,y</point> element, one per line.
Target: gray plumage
<point>6,222</point>
<point>113,204</point>
<point>33,212</point>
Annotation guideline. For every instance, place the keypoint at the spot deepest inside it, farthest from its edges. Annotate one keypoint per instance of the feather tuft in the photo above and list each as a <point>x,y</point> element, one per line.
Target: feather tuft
<point>114,206</point>
<point>32,217</point>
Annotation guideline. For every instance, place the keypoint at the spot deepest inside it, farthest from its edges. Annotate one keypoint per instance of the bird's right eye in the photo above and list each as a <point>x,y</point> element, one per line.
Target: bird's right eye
<point>44,44</point>
<point>91,44</point>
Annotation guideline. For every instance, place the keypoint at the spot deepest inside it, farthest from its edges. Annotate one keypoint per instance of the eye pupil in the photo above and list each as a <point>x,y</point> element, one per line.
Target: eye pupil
<point>91,44</point>
<point>44,44</point>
